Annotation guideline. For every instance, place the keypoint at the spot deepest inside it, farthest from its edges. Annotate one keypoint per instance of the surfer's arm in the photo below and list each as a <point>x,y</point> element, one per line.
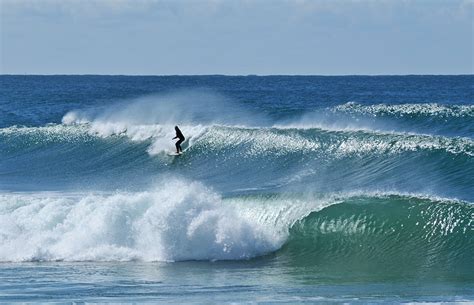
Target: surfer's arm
<point>174,138</point>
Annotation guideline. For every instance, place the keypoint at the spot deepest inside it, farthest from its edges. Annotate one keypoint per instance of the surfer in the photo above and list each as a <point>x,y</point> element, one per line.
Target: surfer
<point>179,135</point>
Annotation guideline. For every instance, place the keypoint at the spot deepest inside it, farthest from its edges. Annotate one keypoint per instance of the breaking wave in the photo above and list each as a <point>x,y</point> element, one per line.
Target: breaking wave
<point>183,220</point>
<point>177,221</point>
<point>400,110</point>
<point>251,141</point>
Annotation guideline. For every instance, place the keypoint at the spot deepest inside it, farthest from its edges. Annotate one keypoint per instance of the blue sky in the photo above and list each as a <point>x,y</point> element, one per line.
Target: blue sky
<point>157,37</point>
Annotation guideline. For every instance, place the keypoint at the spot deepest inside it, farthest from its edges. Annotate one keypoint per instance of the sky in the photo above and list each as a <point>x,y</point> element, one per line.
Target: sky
<point>263,37</point>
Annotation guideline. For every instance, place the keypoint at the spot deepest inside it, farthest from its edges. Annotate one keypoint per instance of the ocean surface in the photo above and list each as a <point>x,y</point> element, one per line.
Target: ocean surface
<point>290,189</point>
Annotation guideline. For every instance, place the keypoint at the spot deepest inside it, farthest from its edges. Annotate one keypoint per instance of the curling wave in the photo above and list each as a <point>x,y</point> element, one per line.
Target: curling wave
<point>398,231</point>
<point>196,223</point>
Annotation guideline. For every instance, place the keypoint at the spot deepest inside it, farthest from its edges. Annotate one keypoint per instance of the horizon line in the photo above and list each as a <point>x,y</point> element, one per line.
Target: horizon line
<point>233,75</point>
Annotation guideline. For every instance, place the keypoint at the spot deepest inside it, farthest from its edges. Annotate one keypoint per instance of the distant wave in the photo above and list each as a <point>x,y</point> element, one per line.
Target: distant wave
<point>428,110</point>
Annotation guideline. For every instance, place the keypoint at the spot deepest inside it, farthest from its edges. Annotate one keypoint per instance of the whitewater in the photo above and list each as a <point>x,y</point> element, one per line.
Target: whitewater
<point>325,183</point>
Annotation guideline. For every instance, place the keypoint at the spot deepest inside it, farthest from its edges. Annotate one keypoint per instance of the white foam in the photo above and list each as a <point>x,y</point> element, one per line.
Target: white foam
<point>159,135</point>
<point>179,220</point>
<point>74,117</point>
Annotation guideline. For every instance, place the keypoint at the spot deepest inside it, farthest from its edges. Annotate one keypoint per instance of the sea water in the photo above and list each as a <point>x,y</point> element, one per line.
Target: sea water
<point>291,189</point>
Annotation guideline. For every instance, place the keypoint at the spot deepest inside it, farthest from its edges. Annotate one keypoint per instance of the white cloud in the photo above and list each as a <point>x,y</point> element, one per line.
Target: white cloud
<point>74,6</point>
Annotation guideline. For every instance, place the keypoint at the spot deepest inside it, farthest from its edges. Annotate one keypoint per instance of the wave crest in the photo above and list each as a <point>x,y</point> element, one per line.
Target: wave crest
<point>428,109</point>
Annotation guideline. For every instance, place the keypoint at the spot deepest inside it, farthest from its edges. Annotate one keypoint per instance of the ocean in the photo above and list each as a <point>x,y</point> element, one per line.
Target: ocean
<point>291,189</point>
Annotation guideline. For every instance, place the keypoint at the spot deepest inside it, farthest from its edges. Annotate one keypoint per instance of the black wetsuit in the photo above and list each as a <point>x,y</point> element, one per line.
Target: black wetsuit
<point>181,138</point>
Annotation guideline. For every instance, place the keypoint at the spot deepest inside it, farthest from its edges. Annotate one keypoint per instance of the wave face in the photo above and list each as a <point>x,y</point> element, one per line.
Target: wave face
<point>351,173</point>
<point>389,234</point>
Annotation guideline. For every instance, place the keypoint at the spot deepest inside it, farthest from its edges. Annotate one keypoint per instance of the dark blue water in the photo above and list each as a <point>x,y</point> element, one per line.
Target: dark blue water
<point>350,188</point>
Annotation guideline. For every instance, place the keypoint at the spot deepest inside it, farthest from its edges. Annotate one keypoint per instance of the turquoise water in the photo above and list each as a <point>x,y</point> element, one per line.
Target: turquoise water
<point>290,189</point>
<point>261,280</point>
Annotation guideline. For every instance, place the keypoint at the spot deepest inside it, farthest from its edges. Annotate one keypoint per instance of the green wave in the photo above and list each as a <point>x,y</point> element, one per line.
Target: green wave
<point>392,234</point>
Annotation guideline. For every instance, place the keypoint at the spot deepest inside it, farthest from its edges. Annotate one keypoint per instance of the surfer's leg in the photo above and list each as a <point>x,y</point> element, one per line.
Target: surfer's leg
<point>178,146</point>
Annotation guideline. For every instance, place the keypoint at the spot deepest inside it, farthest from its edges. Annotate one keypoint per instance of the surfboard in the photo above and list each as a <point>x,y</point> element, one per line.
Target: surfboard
<point>172,153</point>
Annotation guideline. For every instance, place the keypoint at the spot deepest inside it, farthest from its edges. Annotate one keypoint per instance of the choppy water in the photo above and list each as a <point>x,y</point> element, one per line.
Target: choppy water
<point>290,189</point>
